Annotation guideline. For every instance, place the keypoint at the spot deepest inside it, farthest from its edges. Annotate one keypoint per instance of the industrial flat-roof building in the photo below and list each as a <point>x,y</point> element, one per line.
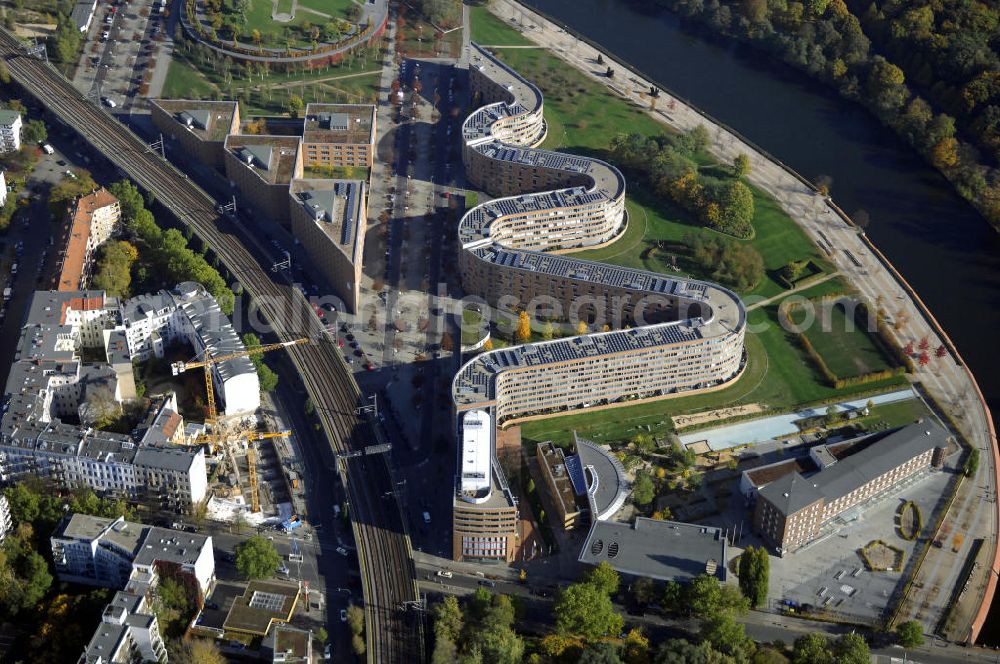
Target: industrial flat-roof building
<point>338,135</point>
<point>200,126</point>
<point>262,168</point>
<point>791,510</point>
<point>329,220</point>
<point>662,550</point>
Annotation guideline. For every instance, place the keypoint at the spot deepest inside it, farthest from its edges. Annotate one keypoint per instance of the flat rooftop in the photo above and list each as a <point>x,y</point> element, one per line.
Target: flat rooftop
<point>662,550</point>
<point>272,158</point>
<point>555,462</point>
<point>522,93</point>
<point>722,312</point>
<point>208,120</point>
<point>337,208</point>
<point>262,604</point>
<point>477,453</point>
<point>339,123</point>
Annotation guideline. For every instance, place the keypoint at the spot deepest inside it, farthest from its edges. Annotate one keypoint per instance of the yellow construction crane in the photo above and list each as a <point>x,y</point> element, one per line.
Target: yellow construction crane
<point>212,415</point>
<point>252,464</point>
<point>180,367</point>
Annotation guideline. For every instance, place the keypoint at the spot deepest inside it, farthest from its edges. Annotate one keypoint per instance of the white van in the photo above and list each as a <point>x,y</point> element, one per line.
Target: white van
<point>427,518</point>
<point>109,102</point>
<point>13,268</point>
<point>47,149</point>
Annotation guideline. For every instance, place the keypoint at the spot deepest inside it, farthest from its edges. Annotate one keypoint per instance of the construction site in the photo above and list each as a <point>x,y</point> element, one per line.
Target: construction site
<point>253,463</point>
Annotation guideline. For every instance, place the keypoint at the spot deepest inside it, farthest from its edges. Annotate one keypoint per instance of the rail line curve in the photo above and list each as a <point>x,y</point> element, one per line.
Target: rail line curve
<point>387,571</point>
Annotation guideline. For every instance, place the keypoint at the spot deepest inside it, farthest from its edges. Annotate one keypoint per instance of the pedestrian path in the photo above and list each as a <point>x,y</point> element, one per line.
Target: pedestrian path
<point>768,428</point>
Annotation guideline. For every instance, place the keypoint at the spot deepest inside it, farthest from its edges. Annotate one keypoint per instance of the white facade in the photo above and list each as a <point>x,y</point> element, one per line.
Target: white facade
<point>128,627</point>
<point>114,553</point>
<point>10,131</point>
<point>6,523</point>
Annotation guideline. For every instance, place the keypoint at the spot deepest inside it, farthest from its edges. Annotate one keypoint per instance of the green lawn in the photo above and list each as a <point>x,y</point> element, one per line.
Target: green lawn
<point>487,29</point>
<point>472,326</point>
<point>897,414</point>
<point>846,348</point>
<point>337,172</point>
<point>583,116</point>
<point>185,82</point>
<point>334,8</point>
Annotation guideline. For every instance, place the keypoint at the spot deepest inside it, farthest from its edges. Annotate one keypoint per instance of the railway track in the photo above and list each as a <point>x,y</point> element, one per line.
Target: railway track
<point>387,571</point>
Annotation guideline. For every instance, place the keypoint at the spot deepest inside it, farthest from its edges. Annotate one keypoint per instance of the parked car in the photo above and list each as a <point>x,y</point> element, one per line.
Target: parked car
<point>343,615</point>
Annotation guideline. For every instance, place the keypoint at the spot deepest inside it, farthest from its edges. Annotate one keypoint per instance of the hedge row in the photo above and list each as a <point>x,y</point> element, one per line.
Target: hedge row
<point>918,521</point>
<point>886,341</point>
<point>881,340</point>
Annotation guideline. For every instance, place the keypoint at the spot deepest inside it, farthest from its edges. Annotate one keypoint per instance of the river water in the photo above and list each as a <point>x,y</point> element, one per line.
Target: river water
<point>947,252</point>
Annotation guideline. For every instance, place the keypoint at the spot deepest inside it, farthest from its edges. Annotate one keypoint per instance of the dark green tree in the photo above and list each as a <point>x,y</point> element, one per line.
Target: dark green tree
<point>910,634</point>
<point>851,649</point>
<point>643,491</point>
<point>754,569</point>
<point>601,653</point>
<point>585,610</point>
<point>604,577</point>
<point>256,558</point>
<point>812,649</point>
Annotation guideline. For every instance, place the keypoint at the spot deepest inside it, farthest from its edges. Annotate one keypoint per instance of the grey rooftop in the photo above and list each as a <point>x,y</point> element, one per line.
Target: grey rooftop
<point>662,550</point>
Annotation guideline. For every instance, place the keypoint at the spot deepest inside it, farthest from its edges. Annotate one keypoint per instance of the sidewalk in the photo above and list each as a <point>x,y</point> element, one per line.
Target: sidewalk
<point>944,378</point>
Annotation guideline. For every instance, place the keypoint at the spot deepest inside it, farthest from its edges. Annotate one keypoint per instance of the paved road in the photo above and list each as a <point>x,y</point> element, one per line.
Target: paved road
<point>944,379</point>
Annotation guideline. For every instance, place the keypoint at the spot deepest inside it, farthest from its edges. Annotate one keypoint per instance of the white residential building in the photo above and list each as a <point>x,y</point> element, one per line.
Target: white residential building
<point>10,131</point>
<point>128,632</point>
<point>6,523</point>
<point>115,553</point>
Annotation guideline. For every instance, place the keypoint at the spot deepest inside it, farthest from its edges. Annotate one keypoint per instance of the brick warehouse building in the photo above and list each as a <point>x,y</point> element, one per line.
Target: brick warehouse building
<point>791,511</point>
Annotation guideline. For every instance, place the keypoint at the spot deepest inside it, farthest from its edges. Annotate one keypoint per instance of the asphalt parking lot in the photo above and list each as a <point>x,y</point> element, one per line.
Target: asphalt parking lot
<point>802,576</point>
<point>120,43</point>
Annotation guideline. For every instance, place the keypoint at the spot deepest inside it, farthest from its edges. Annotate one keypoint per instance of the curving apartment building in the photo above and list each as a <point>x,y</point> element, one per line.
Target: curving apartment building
<point>669,336</point>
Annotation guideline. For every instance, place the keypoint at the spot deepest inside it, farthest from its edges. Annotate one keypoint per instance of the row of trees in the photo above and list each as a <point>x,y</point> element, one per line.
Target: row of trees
<point>588,629</point>
<point>944,47</point>
<point>166,255</point>
<point>479,632</point>
<point>669,165</point>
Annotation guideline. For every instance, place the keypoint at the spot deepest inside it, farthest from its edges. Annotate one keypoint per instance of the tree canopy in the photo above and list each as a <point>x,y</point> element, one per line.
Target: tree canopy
<point>604,577</point>
<point>584,609</point>
<point>754,569</point>
<point>256,558</point>
<point>910,634</point>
